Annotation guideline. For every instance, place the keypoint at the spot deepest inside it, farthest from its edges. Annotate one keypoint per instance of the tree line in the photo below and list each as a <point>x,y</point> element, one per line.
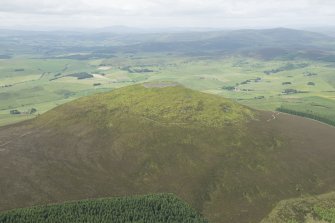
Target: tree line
<point>159,208</point>
<point>307,115</point>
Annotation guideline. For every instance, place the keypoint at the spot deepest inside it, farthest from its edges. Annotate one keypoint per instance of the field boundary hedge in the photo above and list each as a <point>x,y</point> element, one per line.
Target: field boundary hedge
<point>307,115</point>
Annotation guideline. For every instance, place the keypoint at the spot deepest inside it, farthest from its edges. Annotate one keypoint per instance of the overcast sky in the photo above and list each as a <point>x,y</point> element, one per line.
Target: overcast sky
<point>37,14</point>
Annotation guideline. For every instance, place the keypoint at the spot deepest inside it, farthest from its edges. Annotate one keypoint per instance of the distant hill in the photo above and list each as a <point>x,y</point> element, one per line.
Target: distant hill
<point>310,209</point>
<point>235,42</point>
<point>229,162</point>
<point>160,208</point>
<point>330,31</point>
<point>265,43</point>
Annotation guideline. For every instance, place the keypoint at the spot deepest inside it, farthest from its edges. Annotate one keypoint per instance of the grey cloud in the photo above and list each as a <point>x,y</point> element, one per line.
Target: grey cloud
<point>167,12</point>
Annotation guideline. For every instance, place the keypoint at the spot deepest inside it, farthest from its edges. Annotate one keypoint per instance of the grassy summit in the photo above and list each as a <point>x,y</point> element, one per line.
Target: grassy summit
<point>229,162</point>
<point>163,104</point>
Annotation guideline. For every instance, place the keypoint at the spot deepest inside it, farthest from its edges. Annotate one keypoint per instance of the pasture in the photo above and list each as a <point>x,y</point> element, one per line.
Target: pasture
<point>28,81</point>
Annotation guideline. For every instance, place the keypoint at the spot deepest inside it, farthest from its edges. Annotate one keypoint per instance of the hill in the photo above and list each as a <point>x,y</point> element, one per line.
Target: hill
<point>310,209</point>
<point>160,208</point>
<point>264,43</point>
<point>229,162</point>
<point>280,43</point>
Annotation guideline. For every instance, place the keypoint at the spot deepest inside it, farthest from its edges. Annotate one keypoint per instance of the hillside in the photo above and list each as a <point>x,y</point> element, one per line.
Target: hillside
<point>160,208</point>
<point>310,209</point>
<point>229,162</point>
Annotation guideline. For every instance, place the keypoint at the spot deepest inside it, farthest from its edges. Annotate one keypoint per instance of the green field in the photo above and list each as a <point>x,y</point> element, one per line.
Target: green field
<point>44,84</point>
<point>317,108</point>
<point>160,208</point>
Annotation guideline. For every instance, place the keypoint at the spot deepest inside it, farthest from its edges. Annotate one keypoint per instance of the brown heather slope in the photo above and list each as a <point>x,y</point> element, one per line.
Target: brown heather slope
<point>231,163</point>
